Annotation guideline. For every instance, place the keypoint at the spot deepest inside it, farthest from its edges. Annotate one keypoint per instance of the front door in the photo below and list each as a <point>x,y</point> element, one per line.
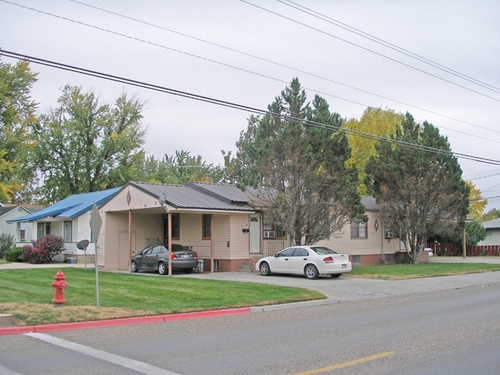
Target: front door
<point>255,231</point>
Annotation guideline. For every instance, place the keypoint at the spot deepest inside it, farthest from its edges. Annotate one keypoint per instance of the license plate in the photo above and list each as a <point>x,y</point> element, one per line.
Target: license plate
<point>185,256</point>
<point>344,266</point>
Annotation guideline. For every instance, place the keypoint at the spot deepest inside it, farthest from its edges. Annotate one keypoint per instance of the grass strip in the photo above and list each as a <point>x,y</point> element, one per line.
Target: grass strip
<point>28,294</point>
<point>413,271</point>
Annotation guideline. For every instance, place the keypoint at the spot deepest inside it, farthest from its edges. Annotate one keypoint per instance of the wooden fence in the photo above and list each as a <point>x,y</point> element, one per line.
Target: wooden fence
<point>452,249</point>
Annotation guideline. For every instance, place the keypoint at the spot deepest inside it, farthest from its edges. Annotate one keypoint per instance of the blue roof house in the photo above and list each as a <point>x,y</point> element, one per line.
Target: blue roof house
<point>69,218</point>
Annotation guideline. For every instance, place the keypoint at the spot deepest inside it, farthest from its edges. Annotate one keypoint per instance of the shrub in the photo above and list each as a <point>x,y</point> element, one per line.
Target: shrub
<point>7,242</point>
<point>43,250</point>
<point>14,255</point>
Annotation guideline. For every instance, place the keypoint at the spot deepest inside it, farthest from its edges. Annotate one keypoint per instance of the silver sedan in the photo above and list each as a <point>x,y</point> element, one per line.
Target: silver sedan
<point>155,258</point>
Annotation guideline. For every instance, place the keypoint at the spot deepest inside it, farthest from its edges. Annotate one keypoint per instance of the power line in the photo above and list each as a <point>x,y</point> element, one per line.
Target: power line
<point>240,107</point>
<point>246,70</point>
<point>291,68</point>
<point>384,43</point>
<point>369,50</point>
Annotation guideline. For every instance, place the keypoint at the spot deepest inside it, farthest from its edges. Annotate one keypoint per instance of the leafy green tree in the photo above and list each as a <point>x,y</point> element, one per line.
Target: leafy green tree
<point>474,233</point>
<point>377,122</point>
<point>86,145</point>
<point>16,115</point>
<point>179,169</point>
<point>420,193</point>
<point>300,169</point>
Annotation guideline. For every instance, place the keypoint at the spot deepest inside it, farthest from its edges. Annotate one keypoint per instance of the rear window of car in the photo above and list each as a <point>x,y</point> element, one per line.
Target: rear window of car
<point>323,250</point>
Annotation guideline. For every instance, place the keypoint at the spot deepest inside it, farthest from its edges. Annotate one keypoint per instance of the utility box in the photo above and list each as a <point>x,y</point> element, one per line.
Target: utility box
<point>200,265</point>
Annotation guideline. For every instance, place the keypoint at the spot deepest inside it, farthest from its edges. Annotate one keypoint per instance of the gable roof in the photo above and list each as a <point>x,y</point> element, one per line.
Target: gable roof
<point>198,195</point>
<point>492,224</point>
<point>71,207</point>
<point>28,208</point>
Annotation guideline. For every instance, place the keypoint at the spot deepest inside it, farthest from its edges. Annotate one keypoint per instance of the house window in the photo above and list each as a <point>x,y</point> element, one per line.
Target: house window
<point>22,235</point>
<point>272,229</point>
<point>207,232</point>
<point>176,227</point>
<point>358,230</point>
<point>47,229</point>
<point>356,259</point>
<point>68,231</point>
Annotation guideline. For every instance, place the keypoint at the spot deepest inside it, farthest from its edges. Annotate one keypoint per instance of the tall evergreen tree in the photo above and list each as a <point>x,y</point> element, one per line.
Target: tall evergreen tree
<point>420,192</point>
<point>300,169</point>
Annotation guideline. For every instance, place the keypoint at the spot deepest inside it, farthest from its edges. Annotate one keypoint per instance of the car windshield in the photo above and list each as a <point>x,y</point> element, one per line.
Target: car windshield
<point>320,250</point>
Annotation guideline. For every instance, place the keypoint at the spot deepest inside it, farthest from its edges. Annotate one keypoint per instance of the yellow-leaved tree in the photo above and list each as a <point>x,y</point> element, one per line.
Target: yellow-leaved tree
<point>374,121</point>
<point>477,203</point>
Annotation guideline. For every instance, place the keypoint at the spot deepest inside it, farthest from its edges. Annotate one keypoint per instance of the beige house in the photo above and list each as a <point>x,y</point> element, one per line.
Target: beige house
<point>220,224</point>
<point>367,243</point>
<point>216,221</point>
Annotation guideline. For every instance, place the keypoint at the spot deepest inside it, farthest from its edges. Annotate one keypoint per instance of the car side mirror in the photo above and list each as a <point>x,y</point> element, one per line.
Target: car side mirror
<point>275,255</point>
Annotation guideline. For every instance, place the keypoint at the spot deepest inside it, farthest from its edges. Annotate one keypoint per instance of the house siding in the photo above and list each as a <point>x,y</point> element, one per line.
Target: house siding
<point>371,250</point>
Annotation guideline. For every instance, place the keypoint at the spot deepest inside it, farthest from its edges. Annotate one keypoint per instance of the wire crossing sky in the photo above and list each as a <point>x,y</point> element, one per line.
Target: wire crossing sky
<point>354,54</point>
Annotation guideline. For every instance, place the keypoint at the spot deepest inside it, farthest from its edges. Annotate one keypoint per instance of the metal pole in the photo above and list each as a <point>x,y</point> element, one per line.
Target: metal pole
<point>464,244</point>
<point>96,236</point>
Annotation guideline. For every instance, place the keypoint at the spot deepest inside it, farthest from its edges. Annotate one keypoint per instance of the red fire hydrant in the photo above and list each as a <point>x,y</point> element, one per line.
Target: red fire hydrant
<point>59,286</point>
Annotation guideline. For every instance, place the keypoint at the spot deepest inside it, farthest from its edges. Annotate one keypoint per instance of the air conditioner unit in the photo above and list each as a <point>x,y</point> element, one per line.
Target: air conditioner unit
<point>270,234</point>
<point>389,235</point>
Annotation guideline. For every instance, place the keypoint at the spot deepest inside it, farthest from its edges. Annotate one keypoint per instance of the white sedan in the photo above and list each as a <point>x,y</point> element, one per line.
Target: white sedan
<point>309,260</point>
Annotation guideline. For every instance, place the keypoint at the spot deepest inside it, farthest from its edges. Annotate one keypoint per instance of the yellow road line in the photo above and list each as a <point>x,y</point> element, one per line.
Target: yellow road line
<point>346,364</point>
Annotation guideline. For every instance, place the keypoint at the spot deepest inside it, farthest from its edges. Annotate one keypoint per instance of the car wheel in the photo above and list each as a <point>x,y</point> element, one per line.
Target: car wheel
<point>162,268</point>
<point>311,271</point>
<point>336,275</point>
<point>264,268</point>
<point>188,270</point>
<point>133,267</point>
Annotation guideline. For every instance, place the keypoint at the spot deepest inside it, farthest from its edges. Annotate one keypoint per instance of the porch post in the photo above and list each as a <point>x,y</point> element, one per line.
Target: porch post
<point>169,236</point>
<point>130,238</point>
<point>212,243</point>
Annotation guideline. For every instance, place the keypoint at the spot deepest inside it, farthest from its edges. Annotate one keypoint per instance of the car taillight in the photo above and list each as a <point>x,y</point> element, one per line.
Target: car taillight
<point>196,256</point>
<point>328,260</point>
<point>174,256</point>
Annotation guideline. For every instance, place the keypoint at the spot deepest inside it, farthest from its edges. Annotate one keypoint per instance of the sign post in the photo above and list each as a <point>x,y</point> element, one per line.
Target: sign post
<point>95,225</point>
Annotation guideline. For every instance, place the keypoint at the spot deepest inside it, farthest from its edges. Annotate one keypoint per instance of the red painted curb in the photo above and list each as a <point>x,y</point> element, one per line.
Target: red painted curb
<point>122,322</point>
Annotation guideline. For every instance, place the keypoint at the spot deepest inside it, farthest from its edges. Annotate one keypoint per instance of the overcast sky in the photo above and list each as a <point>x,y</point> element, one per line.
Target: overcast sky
<point>246,52</point>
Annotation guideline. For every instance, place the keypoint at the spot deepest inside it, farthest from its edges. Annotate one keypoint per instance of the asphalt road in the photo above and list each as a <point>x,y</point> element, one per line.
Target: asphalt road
<point>446,331</point>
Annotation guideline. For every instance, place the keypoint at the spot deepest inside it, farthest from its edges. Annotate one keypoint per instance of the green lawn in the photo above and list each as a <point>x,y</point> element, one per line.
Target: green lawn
<point>412,271</point>
<point>28,295</point>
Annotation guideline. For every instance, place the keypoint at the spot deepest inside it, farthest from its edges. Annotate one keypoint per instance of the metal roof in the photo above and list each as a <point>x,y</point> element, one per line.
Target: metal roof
<point>197,196</point>
<point>71,207</point>
<point>369,202</point>
<point>492,224</point>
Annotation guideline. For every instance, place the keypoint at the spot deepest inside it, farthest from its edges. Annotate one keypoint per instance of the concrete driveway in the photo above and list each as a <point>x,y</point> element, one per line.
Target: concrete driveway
<point>348,288</point>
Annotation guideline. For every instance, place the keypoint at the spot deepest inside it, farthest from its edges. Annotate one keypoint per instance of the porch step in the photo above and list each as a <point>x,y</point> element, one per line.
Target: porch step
<point>246,267</point>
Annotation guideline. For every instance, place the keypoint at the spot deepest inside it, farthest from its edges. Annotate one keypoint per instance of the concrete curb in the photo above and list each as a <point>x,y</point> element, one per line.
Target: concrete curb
<point>5,331</point>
